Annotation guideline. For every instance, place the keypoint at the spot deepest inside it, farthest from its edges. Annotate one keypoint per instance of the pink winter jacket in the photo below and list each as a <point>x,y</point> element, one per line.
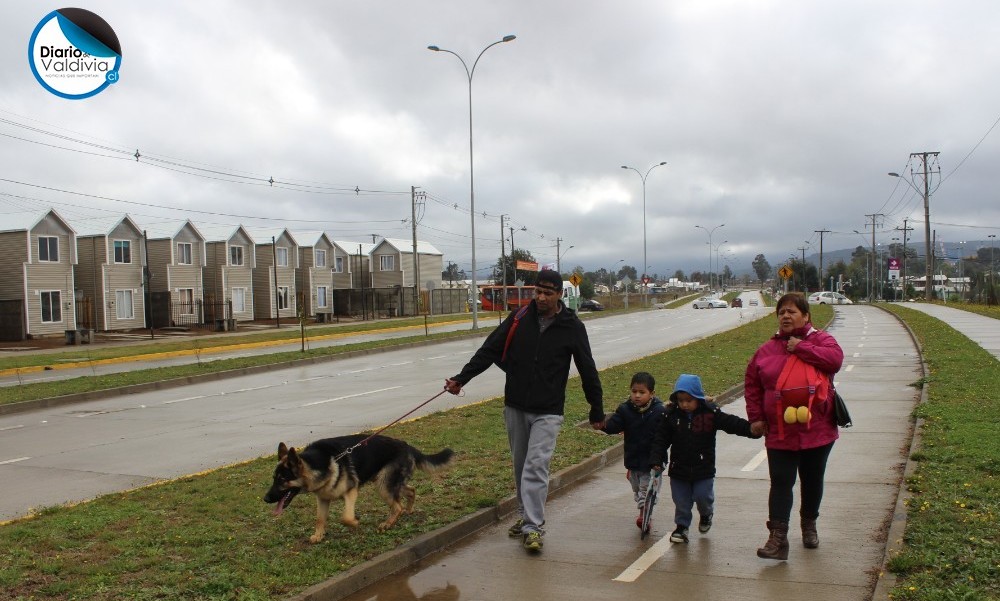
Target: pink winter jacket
<point>818,349</point>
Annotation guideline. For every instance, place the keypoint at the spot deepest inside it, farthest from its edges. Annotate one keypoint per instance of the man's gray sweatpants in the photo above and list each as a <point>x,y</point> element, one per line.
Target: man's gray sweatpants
<point>532,438</point>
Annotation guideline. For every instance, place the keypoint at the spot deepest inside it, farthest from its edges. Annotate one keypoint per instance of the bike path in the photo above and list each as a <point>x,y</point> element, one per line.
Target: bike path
<point>593,549</point>
<point>983,330</point>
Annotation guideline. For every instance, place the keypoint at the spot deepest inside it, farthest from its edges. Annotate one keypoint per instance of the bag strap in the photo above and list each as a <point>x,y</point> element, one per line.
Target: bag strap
<point>513,328</point>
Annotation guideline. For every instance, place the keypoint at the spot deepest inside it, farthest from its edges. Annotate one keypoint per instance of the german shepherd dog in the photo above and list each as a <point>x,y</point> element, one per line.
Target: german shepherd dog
<point>327,470</point>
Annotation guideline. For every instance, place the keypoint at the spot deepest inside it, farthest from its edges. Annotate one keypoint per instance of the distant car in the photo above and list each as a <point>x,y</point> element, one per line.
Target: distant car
<point>707,302</point>
<point>829,298</point>
<point>591,305</point>
<point>753,302</point>
<point>737,302</point>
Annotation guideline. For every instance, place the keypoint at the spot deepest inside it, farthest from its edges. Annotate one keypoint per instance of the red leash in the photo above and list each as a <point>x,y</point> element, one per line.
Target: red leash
<point>387,426</point>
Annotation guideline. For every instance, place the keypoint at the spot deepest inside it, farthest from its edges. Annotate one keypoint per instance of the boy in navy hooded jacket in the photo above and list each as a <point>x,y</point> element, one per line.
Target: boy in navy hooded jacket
<point>688,430</point>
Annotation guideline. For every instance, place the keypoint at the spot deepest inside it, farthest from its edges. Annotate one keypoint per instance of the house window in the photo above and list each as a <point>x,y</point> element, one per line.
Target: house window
<point>183,253</point>
<point>282,256</point>
<point>51,306</point>
<point>386,262</point>
<point>48,249</point>
<point>338,265</point>
<point>124,304</point>
<point>282,297</point>
<point>236,256</point>
<point>186,300</point>
<point>239,300</point>
<point>123,251</point>
<point>320,258</point>
<point>321,297</point>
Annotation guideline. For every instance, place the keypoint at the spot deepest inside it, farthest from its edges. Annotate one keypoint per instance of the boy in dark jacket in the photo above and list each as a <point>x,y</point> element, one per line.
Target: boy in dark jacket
<point>638,418</point>
<point>688,429</point>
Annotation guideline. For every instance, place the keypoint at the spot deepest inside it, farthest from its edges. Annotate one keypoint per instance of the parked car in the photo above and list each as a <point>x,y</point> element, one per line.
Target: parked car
<point>707,302</point>
<point>737,302</point>
<point>829,298</point>
<point>590,304</point>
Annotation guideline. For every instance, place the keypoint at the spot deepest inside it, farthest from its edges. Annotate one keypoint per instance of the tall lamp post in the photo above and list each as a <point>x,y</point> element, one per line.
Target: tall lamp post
<point>709,232</point>
<point>560,256</point>
<point>472,186</point>
<point>645,262</point>
<point>992,294</point>
<point>718,269</point>
<point>926,193</point>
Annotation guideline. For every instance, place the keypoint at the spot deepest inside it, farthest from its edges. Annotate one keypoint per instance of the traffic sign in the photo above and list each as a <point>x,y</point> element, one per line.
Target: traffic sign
<point>785,272</point>
<point>575,279</point>
<point>646,279</point>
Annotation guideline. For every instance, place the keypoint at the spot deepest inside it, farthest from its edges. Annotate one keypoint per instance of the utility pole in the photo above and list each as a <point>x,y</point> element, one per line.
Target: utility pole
<point>503,262</point>
<point>822,285</point>
<point>928,172</point>
<point>513,260</point>
<point>416,257</point>
<point>871,288</point>
<point>805,285</point>
<point>905,229</point>
<point>558,258</point>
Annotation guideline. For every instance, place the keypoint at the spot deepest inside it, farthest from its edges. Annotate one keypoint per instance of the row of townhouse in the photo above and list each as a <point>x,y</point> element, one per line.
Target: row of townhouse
<point>101,273</point>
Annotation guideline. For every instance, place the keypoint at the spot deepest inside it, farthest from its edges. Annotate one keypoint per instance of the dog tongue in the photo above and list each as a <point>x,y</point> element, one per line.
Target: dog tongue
<point>280,507</point>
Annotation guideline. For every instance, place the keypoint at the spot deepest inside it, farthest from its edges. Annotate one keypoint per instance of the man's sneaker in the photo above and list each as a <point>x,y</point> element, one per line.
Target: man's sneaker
<point>533,541</point>
<point>705,524</point>
<point>515,530</point>
<point>679,535</point>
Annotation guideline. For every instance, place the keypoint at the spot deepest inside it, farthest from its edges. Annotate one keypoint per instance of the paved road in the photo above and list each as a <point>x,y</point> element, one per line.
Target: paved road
<point>593,551</point>
<point>984,331</point>
<point>76,452</point>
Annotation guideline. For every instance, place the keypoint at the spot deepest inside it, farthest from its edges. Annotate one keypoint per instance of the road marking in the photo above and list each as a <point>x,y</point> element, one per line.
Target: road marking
<point>400,364</point>
<point>862,345</point>
<point>755,462</point>
<point>11,427</point>
<point>437,357</point>
<point>350,396</point>
<point>850,367</point>
<point>645,560</point>
<point>14,460</point>
<point>857,355</point>
<point>190,398</point>
<point>619,339</point>
<point>311,379</point>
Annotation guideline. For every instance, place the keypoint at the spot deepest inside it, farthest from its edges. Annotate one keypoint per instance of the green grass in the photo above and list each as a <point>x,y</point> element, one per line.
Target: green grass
<point>951,548</point>
<point>210,536</point>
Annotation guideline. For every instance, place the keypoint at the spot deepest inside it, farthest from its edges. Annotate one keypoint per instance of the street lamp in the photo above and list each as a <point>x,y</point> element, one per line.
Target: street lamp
<point>472,186</point>
<point>560,256</point>
<point>717,267</point>
<point>644,260</point>
<point>709,232</point>
<point>928,286</point>
<point>992,294</point>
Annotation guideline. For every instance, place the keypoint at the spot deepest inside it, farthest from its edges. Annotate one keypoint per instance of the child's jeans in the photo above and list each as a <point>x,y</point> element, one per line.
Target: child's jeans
<point>687,493</point>
<point>639,479</point>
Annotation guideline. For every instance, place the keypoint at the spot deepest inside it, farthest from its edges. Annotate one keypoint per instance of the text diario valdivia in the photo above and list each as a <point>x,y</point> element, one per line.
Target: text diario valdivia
<point>70,59</point>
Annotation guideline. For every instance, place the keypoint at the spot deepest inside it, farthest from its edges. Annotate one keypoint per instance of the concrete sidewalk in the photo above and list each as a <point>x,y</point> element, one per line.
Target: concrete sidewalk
<point>984,331</point>
<point>593,550</point>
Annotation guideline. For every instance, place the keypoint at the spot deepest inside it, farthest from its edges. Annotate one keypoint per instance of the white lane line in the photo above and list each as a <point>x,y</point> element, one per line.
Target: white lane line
<point>437,357</point>
<point>619,339</point>
<point>190,398</point>
<point>11,428</point>
<point>862,345</point>
<point>14,460</point>
<point>856,355</point>
<point>311,379</point>
<point>850,367</point>
<point>399,364</point>
<point>639,566</point>
<point>253,388</point>
<point>755,462</point>
<point>357,371</point>
<point>350,396</point>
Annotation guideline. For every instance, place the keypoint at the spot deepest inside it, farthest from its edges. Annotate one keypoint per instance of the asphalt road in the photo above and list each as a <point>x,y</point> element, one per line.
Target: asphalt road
<point>76,452</point>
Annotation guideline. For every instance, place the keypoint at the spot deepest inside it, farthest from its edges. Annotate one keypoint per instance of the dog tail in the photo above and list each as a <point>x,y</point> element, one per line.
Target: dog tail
<point>432,463</point>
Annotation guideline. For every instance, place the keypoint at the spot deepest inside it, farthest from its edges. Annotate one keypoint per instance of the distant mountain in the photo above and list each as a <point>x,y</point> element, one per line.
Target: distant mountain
<point>948,250</point>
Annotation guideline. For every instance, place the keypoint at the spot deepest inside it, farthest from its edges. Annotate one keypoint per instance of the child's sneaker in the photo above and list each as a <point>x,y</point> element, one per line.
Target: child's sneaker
<point>679,535</point>
<point>515,530</point>
<point>533,541</point>
<point>705,524</point>
<point>638,521</point>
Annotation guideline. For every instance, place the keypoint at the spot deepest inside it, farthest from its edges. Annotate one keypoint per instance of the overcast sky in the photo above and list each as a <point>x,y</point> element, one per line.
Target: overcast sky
<point>776,118</point>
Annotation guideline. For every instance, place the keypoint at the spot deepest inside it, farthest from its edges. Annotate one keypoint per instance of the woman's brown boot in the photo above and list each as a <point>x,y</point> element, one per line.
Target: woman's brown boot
<point>810,538</point>
<point>776,546</point>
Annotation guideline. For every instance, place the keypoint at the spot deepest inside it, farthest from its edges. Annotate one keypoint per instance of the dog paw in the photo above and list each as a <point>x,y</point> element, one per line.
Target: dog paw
<point>386,525</point>
<point>315,538</point>
<point>351,523</point>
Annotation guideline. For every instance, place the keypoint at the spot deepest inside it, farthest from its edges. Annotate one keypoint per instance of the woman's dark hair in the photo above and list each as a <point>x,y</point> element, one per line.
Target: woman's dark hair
<point>644,378</point>
<point>796,298</point>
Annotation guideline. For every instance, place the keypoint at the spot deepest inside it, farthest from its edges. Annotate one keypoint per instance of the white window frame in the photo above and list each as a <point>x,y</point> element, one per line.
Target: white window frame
<point>185,255</point>
<point>387,262</point>
<point>125,248</point>
<point>239,300</point>
<point>53,300</point>
<point>322,297</point>
<point>236,256</point>
<point>282,256</point>
<point>282,298</point>
<point>320,258</point>
<point>48,249</point>
<point>187,305</point>
<point>125,304</point>
<point>338,264</point>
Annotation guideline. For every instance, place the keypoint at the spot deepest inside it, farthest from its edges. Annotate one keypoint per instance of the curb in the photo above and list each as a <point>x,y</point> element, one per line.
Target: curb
<point>409,553</point>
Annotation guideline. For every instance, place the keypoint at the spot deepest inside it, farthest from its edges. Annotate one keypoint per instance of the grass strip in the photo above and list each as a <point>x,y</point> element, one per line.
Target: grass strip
<point>210,536</point>
<point>951,548</point>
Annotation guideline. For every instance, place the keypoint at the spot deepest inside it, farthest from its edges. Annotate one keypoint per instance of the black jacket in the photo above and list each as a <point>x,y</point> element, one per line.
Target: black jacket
<point>639,428</point>
<point>691,439</point>
<point>537,363</point>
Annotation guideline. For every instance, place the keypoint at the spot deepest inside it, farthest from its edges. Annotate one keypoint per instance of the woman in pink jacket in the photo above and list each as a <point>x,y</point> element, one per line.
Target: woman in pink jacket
<point>796,417</point>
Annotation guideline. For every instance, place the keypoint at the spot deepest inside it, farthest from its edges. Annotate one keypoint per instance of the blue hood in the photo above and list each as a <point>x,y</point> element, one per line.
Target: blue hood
<point>690,384</point>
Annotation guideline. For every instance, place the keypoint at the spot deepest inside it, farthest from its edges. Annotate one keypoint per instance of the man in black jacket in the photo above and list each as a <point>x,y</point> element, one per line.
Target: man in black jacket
<point>534,347</point>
